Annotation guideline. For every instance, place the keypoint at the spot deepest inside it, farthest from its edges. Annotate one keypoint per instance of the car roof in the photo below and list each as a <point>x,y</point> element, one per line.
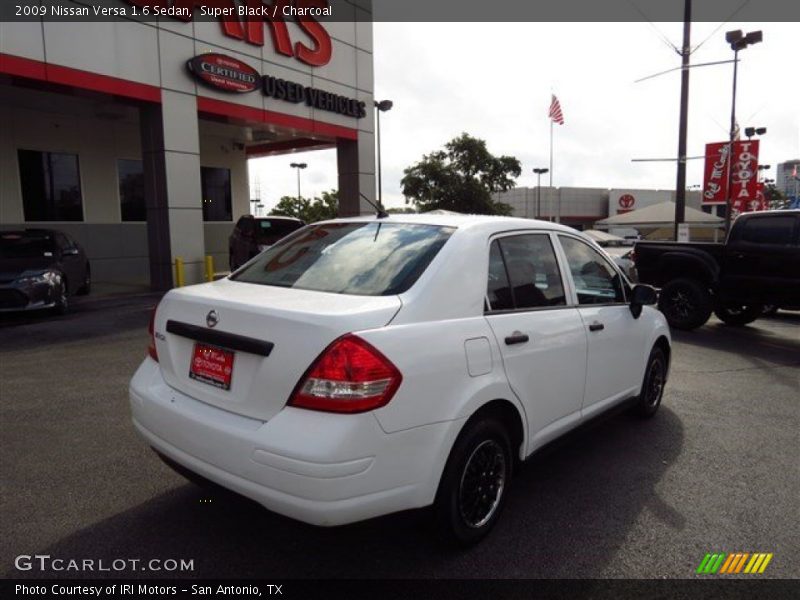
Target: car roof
<point>29,233</point>
<point>763,213</point>
<point>460,221</point>
<point>275,218</point>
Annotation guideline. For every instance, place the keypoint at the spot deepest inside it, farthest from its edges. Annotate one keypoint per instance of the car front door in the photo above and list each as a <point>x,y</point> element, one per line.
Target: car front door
<point>616,340</point>
<point>541,338</point>
<point>71,261</point>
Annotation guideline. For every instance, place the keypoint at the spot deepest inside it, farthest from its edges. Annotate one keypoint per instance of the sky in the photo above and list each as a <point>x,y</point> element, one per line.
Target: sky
<point>494,81</point>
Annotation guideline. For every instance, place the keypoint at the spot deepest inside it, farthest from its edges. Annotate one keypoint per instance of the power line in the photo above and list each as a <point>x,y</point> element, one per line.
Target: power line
<point>682,68</point>
<point>660,34</point>
<point>720,26</point>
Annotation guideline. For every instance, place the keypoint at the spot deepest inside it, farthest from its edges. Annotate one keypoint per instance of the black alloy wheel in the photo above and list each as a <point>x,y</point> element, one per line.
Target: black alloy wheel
<point>686,303</point>
<point>475,482</point>
<point>655,378</point>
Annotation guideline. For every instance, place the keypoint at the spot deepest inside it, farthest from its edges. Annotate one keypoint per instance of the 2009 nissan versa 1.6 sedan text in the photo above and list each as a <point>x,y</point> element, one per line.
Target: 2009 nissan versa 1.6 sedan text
<point>365,366</point>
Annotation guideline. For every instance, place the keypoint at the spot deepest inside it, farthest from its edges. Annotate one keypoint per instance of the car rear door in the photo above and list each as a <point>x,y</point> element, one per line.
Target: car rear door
<point>541,338</point>
<point>616,340</point>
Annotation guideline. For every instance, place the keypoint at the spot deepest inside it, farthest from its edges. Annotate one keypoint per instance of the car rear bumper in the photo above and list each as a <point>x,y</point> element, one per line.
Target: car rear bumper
<point>320,468</point>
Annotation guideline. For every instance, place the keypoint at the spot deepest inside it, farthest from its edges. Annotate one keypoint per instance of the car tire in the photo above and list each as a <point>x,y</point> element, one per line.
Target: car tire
<point>87,283</point>
<point>738,315</point>
<point>62,303</point>
<point>653,382</point>
<point>686,303</point>
<point>769,310</point>
<point>475,483</point>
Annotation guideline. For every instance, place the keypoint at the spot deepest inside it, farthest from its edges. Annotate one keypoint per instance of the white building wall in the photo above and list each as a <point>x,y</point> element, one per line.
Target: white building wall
<point>155,54</point>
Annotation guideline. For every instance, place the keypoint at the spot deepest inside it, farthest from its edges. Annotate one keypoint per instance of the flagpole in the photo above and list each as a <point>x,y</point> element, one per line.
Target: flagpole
<point>550,191</point>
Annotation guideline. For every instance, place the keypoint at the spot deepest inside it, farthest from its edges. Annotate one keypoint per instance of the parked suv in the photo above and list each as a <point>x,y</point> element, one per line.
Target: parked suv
<point>365,366</point>
<point>252,235</point>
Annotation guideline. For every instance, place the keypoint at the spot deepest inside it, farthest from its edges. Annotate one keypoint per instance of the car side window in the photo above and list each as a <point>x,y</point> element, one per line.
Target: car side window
<point>777,230</point>
<point>245,225</point>
<point>62,242</point>
<point>596,281</point>
<point>498,289</point>
<point>523,273</point>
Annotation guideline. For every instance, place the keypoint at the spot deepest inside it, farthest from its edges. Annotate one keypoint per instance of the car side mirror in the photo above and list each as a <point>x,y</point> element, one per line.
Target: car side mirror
<point>640,296</point>
<point>70,252</point>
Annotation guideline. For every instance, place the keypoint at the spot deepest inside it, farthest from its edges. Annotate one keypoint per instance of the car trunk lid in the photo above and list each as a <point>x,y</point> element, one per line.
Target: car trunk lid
<point>274,333</point>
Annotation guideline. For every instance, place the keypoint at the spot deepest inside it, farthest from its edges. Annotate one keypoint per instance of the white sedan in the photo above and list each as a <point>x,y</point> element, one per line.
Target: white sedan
<point>365,366</point>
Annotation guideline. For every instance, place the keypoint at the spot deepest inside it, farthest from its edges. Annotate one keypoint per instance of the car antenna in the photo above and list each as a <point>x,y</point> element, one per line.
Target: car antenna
<point>382,214</point>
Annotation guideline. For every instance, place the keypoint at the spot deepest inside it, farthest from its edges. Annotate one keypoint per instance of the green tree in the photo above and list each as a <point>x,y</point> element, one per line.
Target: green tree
<point>308,210</point>
<point>403,210</point>
<point>775,199</point>
<point>462,177</point>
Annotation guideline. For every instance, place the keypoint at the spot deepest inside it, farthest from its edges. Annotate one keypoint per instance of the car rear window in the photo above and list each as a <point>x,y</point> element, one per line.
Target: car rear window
<point>269,231</point>
<point>365,259</point>
<point>17,245</point>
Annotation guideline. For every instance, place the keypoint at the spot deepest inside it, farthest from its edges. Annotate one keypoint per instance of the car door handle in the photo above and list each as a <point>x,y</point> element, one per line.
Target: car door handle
<point>516,338</point>
<point>596,326</point>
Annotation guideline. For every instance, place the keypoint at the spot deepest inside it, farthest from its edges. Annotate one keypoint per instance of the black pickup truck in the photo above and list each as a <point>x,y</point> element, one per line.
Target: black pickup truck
<point>758,265</point>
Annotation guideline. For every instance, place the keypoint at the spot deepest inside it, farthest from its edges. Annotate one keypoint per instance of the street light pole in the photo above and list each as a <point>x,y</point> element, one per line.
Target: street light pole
<point>382,106</point>
<point>683,125</point>
<point>738,41</point>
<point>539,172</point>
<point>298,166</point>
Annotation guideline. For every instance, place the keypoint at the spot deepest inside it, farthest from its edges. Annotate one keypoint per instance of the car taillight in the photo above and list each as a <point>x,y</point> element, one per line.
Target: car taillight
<point>349,376</point>
<point>151,329</point>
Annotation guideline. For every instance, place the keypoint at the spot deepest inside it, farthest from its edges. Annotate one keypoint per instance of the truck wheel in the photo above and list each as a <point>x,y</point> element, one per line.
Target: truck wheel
<point>738,315</point>
<point>686,303</point>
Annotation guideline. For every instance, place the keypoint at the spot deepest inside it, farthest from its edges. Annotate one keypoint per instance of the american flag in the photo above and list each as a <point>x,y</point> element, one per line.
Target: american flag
<point>555,111</point>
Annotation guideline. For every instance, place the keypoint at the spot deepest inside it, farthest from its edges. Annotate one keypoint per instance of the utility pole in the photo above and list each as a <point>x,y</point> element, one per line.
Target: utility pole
<point>680,184</point>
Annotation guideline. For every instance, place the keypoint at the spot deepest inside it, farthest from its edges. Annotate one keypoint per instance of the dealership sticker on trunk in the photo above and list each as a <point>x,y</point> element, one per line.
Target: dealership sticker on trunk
<point>212,365</point>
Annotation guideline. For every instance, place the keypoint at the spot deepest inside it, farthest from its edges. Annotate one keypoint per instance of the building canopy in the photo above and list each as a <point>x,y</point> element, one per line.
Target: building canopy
<point>660,215</point>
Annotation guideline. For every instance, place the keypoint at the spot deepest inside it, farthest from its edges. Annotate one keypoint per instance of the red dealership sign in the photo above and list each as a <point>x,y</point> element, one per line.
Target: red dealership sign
<point>744,179</point>
<point>247,21</point>
<point>224,72</point>
<point>715,180</point>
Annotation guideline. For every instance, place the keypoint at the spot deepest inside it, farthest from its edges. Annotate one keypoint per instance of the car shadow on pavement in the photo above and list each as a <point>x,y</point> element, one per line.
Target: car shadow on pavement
<point>569,511</point>
<point>758,346</point>
<point>87,318</point>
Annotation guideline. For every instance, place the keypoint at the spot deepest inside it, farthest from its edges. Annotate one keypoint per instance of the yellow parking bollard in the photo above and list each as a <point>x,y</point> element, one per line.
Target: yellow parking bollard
<point>180,274</point>
<point>209,268</point>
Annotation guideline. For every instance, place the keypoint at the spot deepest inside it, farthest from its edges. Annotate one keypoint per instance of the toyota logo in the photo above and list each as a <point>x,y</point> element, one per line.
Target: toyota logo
<point>212,318</point>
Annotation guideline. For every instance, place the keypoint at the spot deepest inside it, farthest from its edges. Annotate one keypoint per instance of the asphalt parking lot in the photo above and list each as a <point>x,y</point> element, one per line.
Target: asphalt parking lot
<point>716,470</point>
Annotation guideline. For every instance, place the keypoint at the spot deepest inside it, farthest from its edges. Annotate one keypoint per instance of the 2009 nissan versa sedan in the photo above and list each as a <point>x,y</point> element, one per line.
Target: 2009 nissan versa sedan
<point>365,366</point>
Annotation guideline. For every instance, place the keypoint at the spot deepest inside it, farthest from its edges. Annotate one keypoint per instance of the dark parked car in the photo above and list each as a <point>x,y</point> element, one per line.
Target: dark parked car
<point>255,234</point>
<point>41,268</point>
<point>758,265</point>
